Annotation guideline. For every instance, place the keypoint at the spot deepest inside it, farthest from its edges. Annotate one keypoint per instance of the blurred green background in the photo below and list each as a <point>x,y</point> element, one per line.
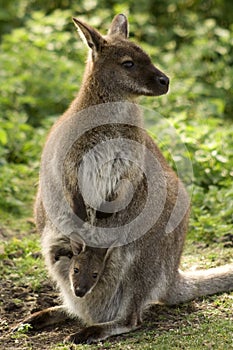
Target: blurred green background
<point>41,66</point>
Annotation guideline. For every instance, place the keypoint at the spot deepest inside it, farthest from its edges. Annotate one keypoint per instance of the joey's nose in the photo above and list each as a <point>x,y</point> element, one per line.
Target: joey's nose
<point>80,292</point>
<point>164,80</point>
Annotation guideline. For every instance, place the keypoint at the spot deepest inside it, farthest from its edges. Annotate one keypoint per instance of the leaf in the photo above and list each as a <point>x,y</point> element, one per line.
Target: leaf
<point>3,137</point>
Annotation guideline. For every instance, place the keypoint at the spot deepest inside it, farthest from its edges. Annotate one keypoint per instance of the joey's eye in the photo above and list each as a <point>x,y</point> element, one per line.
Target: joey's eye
<point>128,64</point>
<point>76,270</point>
<point>94,275</point>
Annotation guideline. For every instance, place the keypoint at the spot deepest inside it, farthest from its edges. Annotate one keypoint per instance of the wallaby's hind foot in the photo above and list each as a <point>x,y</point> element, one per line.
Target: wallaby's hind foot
<point>44,318</point>
<point>87,335</point>
<point>101,331</point>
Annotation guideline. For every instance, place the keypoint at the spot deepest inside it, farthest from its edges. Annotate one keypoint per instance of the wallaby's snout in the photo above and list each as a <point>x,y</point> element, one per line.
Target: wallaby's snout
<point>163,84</point>
<point>164,81</point>
<point>158,82</point>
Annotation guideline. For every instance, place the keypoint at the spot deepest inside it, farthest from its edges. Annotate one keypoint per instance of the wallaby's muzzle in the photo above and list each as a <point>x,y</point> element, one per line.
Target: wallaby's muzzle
<point>156,83</point>
<point>164,80</point>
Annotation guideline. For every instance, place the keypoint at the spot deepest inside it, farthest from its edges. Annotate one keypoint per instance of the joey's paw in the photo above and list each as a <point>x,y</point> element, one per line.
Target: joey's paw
<point>33,322</point>
<point>22,327</point>
<point>88,335</point>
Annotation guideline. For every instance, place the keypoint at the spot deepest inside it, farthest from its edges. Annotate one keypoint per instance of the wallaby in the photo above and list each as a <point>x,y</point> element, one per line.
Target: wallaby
<point>146,268</point>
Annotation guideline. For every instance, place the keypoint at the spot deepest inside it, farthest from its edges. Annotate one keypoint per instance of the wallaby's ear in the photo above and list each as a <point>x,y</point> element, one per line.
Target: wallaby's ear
<point>77,244</point>
<point>89,35</point>
<point>119,26</point>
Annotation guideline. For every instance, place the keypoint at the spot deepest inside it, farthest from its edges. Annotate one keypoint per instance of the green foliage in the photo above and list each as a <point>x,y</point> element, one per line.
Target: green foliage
<point>38,75</point>
<point>16,12</point>
<point>15,193</point>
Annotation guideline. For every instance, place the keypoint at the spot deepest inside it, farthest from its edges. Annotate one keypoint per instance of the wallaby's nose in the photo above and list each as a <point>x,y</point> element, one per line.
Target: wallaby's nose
<point>164,80</point>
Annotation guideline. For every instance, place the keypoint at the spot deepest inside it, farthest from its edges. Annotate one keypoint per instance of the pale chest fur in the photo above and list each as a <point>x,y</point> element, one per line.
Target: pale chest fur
<point>107,176</point>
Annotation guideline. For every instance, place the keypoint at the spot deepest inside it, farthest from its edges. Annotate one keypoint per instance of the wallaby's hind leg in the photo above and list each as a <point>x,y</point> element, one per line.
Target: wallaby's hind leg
<point>45,318</point>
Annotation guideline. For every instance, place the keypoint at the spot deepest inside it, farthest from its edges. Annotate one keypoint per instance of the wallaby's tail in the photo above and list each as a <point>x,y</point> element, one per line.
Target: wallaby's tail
<point>193,284</point>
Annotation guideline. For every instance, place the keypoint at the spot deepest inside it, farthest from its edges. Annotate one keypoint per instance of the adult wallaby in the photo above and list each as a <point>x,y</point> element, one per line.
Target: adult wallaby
<point>100,166</point>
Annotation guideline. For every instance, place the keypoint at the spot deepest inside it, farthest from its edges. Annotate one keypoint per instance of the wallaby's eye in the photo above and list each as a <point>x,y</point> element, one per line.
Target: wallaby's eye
<point>94,275</point>
<point>76,270</point>
<point>128,64</point>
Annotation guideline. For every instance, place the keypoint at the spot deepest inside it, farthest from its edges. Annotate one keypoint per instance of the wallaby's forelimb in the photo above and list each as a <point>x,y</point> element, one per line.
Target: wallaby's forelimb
<point>193,284</point>
<point>45,318</point>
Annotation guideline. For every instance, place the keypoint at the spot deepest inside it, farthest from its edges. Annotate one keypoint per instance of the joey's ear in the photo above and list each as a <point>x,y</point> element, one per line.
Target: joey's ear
<point>89,35</point>
<point>77,244</point>
<point>119,26</point>
<point>110,249</point>
<point>101,252</point>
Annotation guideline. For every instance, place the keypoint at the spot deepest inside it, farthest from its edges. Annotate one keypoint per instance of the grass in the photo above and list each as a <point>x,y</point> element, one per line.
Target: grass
<point>21,262</point>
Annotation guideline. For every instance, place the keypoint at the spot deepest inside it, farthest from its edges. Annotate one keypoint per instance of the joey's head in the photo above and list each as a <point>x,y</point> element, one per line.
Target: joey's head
<point>118,65</point>
<point>87,265</point>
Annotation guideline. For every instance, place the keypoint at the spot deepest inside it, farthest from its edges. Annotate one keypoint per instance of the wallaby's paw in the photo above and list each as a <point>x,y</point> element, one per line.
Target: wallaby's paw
<point>88,335</point>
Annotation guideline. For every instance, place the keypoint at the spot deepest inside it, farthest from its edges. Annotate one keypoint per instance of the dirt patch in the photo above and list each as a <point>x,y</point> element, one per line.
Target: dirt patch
<point>17,303</point>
